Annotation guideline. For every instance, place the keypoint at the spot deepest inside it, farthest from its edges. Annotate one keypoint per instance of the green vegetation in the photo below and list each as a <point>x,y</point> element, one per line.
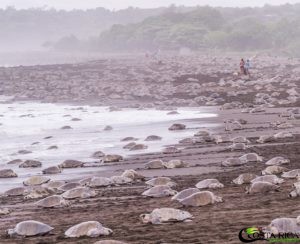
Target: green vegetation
<point>236,29</point>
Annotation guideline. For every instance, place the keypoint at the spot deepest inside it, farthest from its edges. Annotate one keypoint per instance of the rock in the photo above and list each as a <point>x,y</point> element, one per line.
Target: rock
<point>175,163</point>
<point>71,164</point>
<point>154,164</point>
<point>177,127</point>
<point>52,201</point>
<point>268,178</point>
<point>30,164</point>
<point>160,181</point>
<point>278,161</point>
<point>165,215</point>
<point>112,158</point>
<point>138,147</point>
<point>100,182</point>
<point>171,150</point>
<point>30,228</point>
<point>245,178</point>
<point>90,229</point>
<point>209,183</point>
<point>262,187</point>
<point>36,180</point>
<point>185,193</point>
<point>7,173</point>
<point>98,154</point>
<point>17,191</point>
<point>79,192</point>
<point>200,199</point>
<point>153,138</point>
<point>159,191</point>
<point>52,170</point>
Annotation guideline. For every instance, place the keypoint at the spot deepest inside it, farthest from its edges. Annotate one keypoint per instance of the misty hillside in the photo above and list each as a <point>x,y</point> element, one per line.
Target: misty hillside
<point>237,29</point>
<point>30,29</point>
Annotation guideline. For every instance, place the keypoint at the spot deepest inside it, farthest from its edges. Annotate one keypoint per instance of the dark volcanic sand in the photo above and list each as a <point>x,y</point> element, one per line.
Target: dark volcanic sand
<point>119,207</point>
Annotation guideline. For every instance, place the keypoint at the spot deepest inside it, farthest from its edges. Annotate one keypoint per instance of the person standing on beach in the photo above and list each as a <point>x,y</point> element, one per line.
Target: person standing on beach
<point>247,67</point>
<point>242,67</point>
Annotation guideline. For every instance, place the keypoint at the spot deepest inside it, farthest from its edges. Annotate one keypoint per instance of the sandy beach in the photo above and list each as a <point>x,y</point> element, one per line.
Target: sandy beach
<point>262,105</point>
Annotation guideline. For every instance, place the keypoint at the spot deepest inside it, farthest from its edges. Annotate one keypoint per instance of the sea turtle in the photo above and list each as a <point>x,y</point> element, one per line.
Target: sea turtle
<point>129,145</point>
<point>52,170</point>
<point>222,139</point>
<point>4,211</point>
<point>153,138</point>
<point>36,180</point>
<point>250,157</point>
<point>129,138</point>
<point>30,164</point>
<point>232,162</point>
<point>231,126</point>
<point>268,178</point>
<point>283,225</point>
<point>54,184</point>
<point>185,193</point>
<point>120,180</point>
<point>52,201</point>
<point>154,164</point>
<point>138,147</point>
<point>7,173</point>
<point>165,215</point>
<point>69,186</point>
<point>266,139</point>
<point>161,181</point>
<point>111,158</point>
<point>79,192</point>
<point>209,183</point>
<point>177,127</point>
<point>39,192</point>
<point>100,182</point>
<point>130,173</point>
<point>200,199</point>
<point>98,154</point>
<point>71,164</point>
<point>296,190</point>
<point>291,174</point>
<point>89,228</point>
<point>245,178</point>
<point>278,161</point>
<point>240,139</point>
<point>274,170</point>
<point>262,187</point>
<point>30,228</point>
<point>237,146</point>
<point>171,150</point>
<point>159,191</point>
<point>202,133</point>
<point>17,191</point>
<point>283,135</point>
<point>175,163</point>
<point>110,242</point>
<point>85,181</point>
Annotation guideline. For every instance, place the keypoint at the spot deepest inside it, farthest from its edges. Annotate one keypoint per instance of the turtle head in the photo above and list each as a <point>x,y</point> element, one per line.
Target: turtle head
<point>145,218</point>
<point>293,194</point>
<point>11,232</point>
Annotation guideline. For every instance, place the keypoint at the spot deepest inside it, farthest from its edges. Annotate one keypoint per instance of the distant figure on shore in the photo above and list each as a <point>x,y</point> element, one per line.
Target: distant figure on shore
<point>247,67</point>
<point>242,67</point>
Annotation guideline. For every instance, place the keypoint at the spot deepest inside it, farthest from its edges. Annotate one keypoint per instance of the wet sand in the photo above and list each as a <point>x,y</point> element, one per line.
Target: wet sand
<point>119,207</point>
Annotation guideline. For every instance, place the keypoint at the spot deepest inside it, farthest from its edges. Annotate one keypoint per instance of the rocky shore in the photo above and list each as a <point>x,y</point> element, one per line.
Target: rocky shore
<point>243,173</point>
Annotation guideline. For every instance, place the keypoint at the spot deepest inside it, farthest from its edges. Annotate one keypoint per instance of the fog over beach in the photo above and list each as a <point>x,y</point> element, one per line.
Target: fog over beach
<point>136,122</point>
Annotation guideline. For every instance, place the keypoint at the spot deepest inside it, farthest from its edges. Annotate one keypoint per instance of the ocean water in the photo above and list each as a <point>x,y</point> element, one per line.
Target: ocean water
<point>25,126</point>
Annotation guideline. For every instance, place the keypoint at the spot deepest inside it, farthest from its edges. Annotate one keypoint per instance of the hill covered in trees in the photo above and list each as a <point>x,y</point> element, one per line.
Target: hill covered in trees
<point>270,27</point>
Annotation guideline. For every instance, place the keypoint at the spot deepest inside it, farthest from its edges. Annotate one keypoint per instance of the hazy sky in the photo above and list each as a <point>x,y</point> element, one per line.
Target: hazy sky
<point>119,4</point>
